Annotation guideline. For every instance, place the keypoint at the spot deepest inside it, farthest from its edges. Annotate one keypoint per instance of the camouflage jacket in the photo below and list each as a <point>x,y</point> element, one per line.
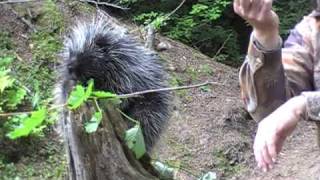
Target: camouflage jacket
<point>269,78</point>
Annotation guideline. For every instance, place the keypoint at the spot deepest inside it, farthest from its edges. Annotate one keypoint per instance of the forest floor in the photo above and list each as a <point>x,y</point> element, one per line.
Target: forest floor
<point>209,129</point>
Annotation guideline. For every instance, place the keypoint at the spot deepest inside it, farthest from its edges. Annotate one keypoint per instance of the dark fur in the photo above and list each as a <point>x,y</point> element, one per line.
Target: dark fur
<point>102,51</point>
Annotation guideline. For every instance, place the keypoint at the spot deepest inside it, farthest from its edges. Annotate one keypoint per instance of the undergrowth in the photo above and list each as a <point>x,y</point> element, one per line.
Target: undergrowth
<point>27,83</point>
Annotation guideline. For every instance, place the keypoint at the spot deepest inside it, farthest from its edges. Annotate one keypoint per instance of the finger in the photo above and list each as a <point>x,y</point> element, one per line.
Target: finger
<point>266,7</point>
<point>264,164</point>
<point>237,7</point>
<point>266,157</point>
<point>255,8</point>
<point>245,4</point>
<point>236,2</point>
<point>258,154</point>
<point>272,151</point>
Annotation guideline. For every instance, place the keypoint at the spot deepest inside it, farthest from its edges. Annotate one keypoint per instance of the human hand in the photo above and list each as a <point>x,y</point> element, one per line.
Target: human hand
<point>274,129</point>
<point>262,18</point>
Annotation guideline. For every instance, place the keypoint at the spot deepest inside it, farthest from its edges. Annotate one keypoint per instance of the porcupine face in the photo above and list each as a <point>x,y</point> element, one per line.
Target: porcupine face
<point>87,49</point>
<point>88,65</point>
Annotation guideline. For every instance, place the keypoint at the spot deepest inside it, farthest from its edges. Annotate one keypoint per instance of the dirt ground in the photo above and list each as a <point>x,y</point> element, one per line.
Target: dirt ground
<point>211,132</point>
<point>209,129</point>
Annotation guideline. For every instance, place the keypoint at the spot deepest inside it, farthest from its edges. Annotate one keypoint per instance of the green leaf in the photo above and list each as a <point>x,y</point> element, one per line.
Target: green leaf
<point>205,88</point>
<point>15,97</point>
<point>135,142</point>
<point>159,22</point>
<point>93,124</point>
<point>89,89</point>
<point>209,176</point>
<point>52,117</point>
<point>198,8</point>
<point>5,80</point>
<point>77,97</point>
<point>103,94</point>
<point>28,124</point>
<point>107,95</point>
<point>5,61</point>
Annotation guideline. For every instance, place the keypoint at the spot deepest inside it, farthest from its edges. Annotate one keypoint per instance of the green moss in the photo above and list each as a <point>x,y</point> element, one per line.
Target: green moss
<point>81,7</point>
<point>45,45</point>
<point>5,41</point>
<point>176,81</point>
<point>223,164</point>
<point>40,159</point>
<point>45,162</point>
<point>205,69</point>
<point>51,18</point>
<point>193,73</point>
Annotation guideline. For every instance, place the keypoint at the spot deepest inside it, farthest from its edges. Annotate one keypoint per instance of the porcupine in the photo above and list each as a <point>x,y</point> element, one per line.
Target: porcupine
<point>104,52</point>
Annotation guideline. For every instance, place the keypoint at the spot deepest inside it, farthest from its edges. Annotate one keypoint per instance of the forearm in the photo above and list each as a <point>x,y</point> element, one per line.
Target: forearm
<point>262,80</point>
<point>266,84</point>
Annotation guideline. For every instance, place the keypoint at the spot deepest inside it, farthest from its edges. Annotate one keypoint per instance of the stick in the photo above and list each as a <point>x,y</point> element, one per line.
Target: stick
<point>176,9</point>
<point>28,23</point>
<point>14,114</point>
<point>150,37</point>
<point>222,46</point>
<point>16,1</point>
<point>104,3</point>
<point>136,94</point>
<point>128,117</point>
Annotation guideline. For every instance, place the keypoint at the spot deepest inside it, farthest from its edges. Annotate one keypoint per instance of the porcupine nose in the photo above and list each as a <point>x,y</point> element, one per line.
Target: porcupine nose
<point>71,66</point>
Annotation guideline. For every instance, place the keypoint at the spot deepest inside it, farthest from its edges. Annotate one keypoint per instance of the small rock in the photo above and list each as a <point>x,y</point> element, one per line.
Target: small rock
<point>162,46</point>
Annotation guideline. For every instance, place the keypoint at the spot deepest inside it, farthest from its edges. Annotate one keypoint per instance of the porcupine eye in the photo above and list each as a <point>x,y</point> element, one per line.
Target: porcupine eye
<point>71,66</point>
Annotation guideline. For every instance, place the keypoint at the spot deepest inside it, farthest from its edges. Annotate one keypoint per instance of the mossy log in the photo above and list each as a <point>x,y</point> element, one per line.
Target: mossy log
<point>101,155</point>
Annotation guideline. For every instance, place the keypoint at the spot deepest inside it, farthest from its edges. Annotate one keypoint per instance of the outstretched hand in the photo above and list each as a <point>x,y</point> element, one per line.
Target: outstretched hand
<point>259,14</point>
<point>274,129</point>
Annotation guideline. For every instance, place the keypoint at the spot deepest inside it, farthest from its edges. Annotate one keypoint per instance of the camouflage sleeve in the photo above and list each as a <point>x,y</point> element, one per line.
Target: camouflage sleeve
<point>262,80</point>
<point>269,78</point>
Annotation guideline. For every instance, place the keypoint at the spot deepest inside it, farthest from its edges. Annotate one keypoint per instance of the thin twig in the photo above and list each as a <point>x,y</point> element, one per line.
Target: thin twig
<point>25,21</point>
<point>105,3</point>
<point>137,94</point>
<point>128,117</point>
<point>97,105</point>
<point>176,9</point>
<point>14,114</point>
<point>222,46</point>
<point>16,1</point>
<point>54,107</point>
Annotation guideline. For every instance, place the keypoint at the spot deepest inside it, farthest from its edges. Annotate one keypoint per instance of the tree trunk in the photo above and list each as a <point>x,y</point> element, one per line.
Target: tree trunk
<point>101,155</point>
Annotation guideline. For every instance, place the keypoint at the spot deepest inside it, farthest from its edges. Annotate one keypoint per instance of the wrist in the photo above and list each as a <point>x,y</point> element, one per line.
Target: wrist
<point>300,104</point>
<point>268,40</point>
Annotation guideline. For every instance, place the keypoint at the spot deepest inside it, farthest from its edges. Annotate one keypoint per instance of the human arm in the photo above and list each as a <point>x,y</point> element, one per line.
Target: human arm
<point>269,77</point>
